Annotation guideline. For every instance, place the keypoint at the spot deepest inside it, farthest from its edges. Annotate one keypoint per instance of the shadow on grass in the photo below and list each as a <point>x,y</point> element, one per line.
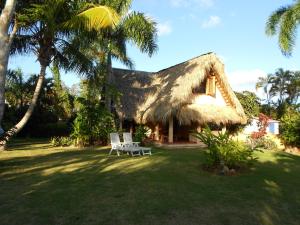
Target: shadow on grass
<point>90,187</point>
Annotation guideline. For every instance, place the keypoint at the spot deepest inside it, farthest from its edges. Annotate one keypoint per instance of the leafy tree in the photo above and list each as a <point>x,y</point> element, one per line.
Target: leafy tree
<point>18,95</point>
<point>284,21</point>
<point>250,103</point>
<point>93,121</point>
<point>63,99</point>
<point>45,29</point>
<point>16,88</point>
<point>290,127</point>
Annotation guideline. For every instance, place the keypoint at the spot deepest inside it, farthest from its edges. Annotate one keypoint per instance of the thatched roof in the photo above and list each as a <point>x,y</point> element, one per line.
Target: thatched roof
<point>154,97</point>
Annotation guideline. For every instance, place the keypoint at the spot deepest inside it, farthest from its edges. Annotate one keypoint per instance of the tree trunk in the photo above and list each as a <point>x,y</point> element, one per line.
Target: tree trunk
<point>5,43</point>
<point>18,127</point>
<point>108,82</point>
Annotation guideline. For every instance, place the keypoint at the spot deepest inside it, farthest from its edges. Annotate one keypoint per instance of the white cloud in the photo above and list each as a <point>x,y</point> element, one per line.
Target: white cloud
<point>192,3</point>
<point>245,80</point>
<point>164,28</point>
<point>213,21</point>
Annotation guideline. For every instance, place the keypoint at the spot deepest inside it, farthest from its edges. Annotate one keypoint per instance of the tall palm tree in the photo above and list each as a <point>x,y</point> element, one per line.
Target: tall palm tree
<point>45,29</point>
<point>135,28</point>
<point>281,80</point>
<point>284,21</point>
<point>265,83</point>
<point>6,39</point>
<point>293,88</point>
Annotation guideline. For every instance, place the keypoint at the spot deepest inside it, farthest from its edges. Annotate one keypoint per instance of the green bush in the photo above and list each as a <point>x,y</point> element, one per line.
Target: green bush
<point>92,124</point>
<point>61,141</point>
<point>223,151</point>
<point>290,128</point>
<point>140,133</point>
<point>264,142</point>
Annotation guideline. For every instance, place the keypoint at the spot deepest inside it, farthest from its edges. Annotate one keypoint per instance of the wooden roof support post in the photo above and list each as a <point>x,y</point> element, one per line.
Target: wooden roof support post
<point>171,130</point>
<point>224,129</point>
<point>131,128</point>
<point>156,132</point>
<point>121,125</point>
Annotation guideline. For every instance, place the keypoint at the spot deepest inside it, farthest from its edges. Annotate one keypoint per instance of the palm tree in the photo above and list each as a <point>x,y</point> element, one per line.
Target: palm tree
<point>6,39</point>
<point>45,29</point>
<point>135,28</point>
<point>284,21</point>
<point>280,81</point>
<point>265,83</point>
<point>293,88</point>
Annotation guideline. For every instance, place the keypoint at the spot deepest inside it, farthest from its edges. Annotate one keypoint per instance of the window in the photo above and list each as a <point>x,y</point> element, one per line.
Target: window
<point>208,87</point>
<point>211,86</point>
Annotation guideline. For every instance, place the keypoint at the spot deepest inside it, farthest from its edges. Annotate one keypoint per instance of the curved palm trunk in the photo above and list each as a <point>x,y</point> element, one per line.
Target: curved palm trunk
<point>5,43</point>
<point>18,127</point>
<point>108,83</point>
<point>4,53</point>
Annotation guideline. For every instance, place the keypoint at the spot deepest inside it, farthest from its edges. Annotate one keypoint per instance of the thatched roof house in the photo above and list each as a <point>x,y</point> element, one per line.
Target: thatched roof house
<point>193,92</point>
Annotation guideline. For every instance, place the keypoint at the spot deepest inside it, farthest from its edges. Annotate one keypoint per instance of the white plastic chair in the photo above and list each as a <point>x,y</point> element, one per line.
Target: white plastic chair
<point>127,137</point>
<point>116,144</point>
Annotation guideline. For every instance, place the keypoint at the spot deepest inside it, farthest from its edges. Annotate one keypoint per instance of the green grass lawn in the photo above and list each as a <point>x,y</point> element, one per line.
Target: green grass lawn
<point>44,185</point>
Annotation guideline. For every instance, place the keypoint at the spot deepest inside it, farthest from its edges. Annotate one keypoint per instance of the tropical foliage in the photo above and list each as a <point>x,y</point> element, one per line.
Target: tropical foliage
<point>45,29</point>
<point>135,28</point>
<point>284,22</point>
<point>50,117</point>
<point>92,124</point>
<point>223,152</point>
<point>283,88</point>
<point>290,127</point>
<point>250,103</point>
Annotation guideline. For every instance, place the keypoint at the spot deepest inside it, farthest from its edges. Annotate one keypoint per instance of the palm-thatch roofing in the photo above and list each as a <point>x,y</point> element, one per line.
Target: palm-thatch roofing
<point>154,97</point>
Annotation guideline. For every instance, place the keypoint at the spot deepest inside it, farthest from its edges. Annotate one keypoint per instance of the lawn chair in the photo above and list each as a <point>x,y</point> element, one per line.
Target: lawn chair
<point>127,137</point>
<point>116,144</point>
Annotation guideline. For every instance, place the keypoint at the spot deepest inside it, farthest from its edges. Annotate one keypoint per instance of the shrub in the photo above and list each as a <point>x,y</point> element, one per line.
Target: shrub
<point>290,128</point>
<point>264,142</point>
<point>140,133</point>
<point>92,124</point>
<point>61,141</point>
<point>223,151</point>
<point>262,124</point>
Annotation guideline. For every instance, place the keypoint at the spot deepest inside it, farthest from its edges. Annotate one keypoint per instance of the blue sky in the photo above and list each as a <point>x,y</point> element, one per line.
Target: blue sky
<point>233,29</point>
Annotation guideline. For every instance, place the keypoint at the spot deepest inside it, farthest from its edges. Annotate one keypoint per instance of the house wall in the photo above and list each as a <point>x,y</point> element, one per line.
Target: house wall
<point>207,99</point>
<point>273,127</point>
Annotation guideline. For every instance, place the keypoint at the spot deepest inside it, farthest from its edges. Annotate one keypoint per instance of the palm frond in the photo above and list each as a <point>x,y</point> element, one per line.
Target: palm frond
<point>274,20</point>
<point>287,32</point>
<point>69,58</point>
<point>141,31</point>
<point>94,18</point>
<point>22,44</point>
<point>285,19</point>
<point>121,6</point>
